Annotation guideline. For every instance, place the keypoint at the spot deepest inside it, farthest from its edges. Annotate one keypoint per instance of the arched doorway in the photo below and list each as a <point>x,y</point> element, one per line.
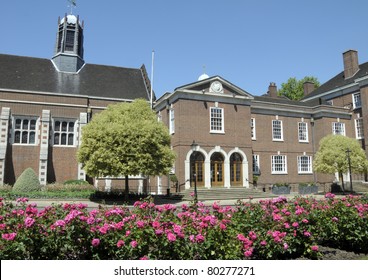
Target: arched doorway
<point>236,174</point>
<point>197,169</point>
<point>217,169</point>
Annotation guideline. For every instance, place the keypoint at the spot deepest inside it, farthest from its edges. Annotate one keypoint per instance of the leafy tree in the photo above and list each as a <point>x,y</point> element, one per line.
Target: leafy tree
<point>126,139</point>
<point>293,88</point>
<point>332,156</point>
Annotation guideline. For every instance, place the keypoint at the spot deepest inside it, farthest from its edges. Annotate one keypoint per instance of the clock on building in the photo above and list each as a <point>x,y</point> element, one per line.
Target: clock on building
<point>216,86</point>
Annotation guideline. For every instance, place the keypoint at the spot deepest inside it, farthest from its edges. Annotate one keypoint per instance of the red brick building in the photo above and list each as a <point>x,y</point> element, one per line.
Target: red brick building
<point>224,136</point>
<point>46,102</point>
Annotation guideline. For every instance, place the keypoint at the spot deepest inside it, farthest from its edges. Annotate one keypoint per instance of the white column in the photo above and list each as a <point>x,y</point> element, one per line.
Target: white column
<point>207,172</point>
<point>245,174</point>
<point>4,132</point>
<point>108,184</point>
<point>187,174</point>
<point>82,123</point>
<point>44,146</point>
<point>227,183</point>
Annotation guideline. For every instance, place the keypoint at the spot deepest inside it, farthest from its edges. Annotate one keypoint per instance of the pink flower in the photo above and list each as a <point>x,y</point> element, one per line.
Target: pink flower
<point>252,235</point>
<point>29,222</point>
<point>286,225</point>
<point>315,248</point>
<point>140,224</point>
<point>199,238</point>
<point>156,224</point>
<point>144,258</point>
<point>95,242</point>
<point>295,224</point>
<point>335,219</point>
<point>171,237</point>
<point>248,253</point>
<point>22,200</point>
<point>305,221</point>
<point>9,236</point>
<point>241,237</point>
<point>286,246</point>
<point>59,223</point>
<point>222,226</point>
<point>120,243</point>
<point>307,234</point>
<point>263,243</point>
<point>329,195</point>
<point>134,243</point>
<point>192,238</point>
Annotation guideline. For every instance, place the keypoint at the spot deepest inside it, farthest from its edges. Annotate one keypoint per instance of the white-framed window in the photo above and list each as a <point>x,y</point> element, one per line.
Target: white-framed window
<point>159,117</point>
<point>217,120</point>
<point>256,165</point>
<point>277,134</point>
<point>172,121</point>
<point>357,103</point>
<point>64,132</point>
<point>359,130</point>
<point>338,128</point>
<point>25,130</point>
<point>253,128</point>
<point>278,164</point>
<point>304,164</point>
<point>303,132</point>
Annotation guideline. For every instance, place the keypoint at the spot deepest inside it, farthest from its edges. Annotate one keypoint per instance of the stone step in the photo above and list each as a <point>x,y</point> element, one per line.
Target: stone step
<point>224,194</point>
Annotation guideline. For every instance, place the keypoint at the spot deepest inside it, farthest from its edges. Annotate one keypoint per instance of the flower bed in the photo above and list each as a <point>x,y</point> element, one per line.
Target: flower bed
<point>270,229</point>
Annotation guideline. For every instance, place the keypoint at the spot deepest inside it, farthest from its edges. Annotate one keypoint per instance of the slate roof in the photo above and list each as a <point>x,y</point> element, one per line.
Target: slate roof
<point>285,101</point>
<point>339,81</point>
<point>38,74</point>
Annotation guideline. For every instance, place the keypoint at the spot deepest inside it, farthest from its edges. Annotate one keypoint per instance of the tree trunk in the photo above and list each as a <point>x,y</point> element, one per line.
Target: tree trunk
<point>126,188</point>
<point>342,181</point>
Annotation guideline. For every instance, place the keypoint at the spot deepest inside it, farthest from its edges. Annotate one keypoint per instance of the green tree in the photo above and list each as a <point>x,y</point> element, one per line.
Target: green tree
<point>293,88</point>
<point>332,156</point>
<point>27,182</point>
<point>126,139</point>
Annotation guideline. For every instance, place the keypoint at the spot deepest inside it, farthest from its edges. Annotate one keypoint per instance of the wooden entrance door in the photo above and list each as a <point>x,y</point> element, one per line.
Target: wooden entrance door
<point>217,170</point>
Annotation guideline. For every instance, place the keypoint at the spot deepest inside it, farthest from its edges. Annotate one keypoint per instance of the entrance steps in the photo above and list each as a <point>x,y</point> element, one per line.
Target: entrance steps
<point>225,194</point>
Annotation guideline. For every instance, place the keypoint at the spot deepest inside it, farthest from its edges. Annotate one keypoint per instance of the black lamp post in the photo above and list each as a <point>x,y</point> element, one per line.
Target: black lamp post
<point>194,147</point>
<point>348,151</point>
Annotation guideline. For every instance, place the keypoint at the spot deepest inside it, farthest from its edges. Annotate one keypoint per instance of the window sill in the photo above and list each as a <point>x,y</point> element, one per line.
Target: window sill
<point>279,173</point>
<point>217,132</point>
<point>278,140</point>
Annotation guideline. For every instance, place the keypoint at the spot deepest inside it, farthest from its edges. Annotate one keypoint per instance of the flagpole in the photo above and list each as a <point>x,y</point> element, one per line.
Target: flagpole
<point>151,97</point>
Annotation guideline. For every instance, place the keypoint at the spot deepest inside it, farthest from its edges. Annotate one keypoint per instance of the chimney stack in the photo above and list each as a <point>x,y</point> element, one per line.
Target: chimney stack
<point>351,65</point>
<point>272,90</point>
<point>308,87</point>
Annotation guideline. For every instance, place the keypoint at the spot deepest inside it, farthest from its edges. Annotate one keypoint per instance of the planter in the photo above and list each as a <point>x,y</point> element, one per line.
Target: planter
<point>280,189</point>
<point>307,189</point>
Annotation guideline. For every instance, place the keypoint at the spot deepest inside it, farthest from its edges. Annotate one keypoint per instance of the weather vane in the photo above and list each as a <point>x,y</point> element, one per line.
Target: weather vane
<point>73,3</point>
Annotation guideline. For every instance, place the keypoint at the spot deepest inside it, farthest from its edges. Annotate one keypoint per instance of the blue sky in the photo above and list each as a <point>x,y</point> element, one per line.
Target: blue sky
<point>249,43</point>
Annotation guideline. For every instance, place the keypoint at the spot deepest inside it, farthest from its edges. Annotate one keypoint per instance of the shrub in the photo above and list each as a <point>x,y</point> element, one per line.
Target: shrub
<point>76,182</point>
<point>27,182</point>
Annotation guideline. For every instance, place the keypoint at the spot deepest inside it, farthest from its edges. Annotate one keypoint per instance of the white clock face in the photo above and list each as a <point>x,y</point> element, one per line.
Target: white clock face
<point>216,86</point>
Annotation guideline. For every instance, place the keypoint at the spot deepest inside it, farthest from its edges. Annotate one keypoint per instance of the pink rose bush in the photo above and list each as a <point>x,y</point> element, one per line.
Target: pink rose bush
<point>270,229</point>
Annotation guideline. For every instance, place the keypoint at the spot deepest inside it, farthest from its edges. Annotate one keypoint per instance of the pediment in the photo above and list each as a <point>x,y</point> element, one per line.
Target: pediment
<point>216,85</point>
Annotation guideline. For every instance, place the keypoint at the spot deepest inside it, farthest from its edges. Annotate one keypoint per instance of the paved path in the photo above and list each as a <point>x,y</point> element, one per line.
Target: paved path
<point>42,203</point>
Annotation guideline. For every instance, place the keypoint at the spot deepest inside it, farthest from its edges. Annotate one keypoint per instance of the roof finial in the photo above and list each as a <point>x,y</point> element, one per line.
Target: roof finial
<point>204,75</point>
<point>73,3</point>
